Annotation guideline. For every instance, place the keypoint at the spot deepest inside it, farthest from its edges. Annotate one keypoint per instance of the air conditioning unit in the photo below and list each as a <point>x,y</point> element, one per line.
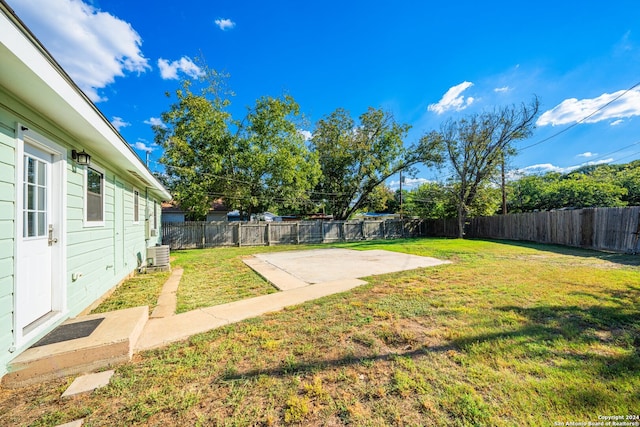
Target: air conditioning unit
<point>158,256</point>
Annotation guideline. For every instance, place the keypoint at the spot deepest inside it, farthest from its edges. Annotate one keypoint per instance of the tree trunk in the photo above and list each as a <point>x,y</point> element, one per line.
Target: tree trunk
<point>462,217</point>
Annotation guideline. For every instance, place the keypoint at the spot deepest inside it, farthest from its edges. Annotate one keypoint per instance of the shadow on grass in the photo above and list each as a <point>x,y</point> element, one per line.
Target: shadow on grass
<point>307,367</point>
<point>564,333</point>
<point>573,332</point>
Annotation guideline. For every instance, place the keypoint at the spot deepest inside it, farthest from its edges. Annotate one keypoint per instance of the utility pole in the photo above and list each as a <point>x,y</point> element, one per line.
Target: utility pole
<point>400,195</point>
<point>504,188</point>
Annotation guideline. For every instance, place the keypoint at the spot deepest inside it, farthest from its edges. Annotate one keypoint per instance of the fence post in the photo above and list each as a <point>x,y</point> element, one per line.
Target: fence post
<point>203,240</point>
<point>364,231</point>
<point>239,234</point>
<point>267,232</point>
<point>297,232</point>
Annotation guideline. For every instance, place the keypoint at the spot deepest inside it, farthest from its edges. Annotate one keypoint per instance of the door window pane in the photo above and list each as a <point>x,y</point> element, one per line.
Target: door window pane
<point>34,204</point>
<point>31,224</point>
<point>31,170</point>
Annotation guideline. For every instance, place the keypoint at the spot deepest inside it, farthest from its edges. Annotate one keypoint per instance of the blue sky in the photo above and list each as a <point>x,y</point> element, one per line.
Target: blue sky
<point>425,62</point>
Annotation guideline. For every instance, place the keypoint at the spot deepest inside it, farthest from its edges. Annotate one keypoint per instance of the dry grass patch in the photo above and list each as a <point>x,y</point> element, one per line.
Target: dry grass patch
<point>142,289</point>
<point>218,276</point>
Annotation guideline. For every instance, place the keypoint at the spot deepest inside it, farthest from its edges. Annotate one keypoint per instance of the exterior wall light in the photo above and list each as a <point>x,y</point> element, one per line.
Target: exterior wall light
<point>81,158</point>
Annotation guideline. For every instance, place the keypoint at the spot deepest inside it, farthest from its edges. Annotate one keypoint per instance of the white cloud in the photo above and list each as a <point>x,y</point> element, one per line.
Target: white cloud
<point>155,121</point>
<point>453,99</point>
<point>408,183</point>
<point>617,122</point>
<point>587,154</point>
<point>543,168</point>
<point>306,134</point>
<point>623,104</point>
<point>92,46</point>
<point>169,70</point>
<point>225,24</point>
<point>599,162</point>
<point>502,89</point>
<point>142,145</point>
<point>119,123</point>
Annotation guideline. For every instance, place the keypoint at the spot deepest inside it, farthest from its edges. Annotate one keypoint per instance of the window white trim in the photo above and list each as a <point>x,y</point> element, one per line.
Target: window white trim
<point>136,206</point>
<point>87,222</point>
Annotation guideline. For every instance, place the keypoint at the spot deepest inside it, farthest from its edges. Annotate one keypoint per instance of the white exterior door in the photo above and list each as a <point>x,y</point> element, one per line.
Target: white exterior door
<point>39,286</point>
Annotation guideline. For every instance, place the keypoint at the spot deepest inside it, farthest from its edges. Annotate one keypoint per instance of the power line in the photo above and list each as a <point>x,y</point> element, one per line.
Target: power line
<point>630,155</point>
<point>616,151</point>
<point>582,119</point>
<point>241,181</point>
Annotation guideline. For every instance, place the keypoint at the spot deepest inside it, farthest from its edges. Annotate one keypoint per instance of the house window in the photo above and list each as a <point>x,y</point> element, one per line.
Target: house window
<point>95,197</point>
<point>155,215</point>
<point>136,206</point>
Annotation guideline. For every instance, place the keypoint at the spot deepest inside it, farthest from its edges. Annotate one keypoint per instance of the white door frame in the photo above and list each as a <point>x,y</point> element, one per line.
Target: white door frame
<point>58,208</point>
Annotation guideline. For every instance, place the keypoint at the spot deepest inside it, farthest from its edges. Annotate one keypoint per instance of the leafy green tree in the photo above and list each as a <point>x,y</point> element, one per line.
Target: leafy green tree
<point>629,177</point>
<point>593,187</point>
<point>478,144</point>
<point>435,200</point>
<point>430,200</point>
<point>380,200</point>
<point>527,193</point>
<point>356,158</point>
<point>258,163</point>
<point>582,191</point>
<point>196,139</point>
<point>273,166</point>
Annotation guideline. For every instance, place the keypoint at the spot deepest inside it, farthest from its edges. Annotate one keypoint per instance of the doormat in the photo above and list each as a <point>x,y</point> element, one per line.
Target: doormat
<point>69,332</point>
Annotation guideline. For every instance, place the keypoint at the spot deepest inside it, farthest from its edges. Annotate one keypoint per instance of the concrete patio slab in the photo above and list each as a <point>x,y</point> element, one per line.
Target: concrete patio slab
<point>276,276</point>
<point>326,265</point>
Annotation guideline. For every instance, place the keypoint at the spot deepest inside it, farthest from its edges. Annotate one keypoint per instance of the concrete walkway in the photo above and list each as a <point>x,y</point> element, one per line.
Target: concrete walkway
<point>162,331</point>
<point>168,299</point>
<point>299,275</point>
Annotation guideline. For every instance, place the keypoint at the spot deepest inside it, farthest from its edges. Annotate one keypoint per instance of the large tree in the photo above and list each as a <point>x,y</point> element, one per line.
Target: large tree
<point>580,189</point>
<point>196,139</point>
<point>259,162</point>
<point>358,157</point>
<point>478,144</point>
<point>273,166</point>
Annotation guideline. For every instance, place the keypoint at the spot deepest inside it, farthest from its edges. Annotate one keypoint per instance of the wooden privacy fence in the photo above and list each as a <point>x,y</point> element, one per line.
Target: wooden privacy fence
<point>189,235</point>
<point>608,229</point>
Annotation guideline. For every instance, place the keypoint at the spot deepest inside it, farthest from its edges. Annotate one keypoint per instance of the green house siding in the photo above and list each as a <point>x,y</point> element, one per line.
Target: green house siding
<point>7,232</point>
<point>99,257</point>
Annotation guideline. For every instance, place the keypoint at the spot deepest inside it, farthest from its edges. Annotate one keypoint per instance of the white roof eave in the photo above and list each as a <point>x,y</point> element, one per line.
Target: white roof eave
<point>35,78</point>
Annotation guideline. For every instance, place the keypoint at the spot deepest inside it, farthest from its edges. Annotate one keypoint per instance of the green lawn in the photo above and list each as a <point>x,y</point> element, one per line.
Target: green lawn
<point>508,334</point>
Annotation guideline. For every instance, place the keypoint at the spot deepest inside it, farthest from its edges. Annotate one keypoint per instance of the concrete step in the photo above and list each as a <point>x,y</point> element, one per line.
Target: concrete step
<point>111,343</point>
